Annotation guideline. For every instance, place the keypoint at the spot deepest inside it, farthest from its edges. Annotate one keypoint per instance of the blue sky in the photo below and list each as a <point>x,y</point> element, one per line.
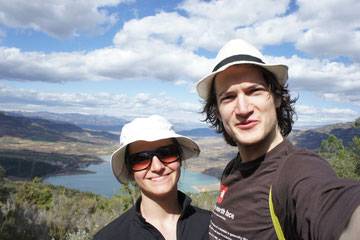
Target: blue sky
<point>129,58</point>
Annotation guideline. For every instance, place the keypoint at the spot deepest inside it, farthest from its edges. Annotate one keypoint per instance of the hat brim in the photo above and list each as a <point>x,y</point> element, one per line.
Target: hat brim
<point>189,148</point>
<point>280,71</point>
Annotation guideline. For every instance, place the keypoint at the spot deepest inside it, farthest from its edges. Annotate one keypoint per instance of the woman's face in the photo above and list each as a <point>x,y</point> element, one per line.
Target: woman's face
<point>159,178</point>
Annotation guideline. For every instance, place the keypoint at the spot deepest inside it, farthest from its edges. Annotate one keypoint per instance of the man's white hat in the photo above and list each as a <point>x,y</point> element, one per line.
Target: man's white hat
<point>236,52</point>
<point>148,129</point>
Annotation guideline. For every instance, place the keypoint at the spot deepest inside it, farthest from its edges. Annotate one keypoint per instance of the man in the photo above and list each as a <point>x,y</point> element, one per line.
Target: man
<point>247,100</point>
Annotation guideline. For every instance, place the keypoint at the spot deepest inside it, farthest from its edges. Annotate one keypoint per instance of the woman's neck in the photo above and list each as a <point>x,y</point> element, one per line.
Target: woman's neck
<point>162,212</point>
<point>160,206</point>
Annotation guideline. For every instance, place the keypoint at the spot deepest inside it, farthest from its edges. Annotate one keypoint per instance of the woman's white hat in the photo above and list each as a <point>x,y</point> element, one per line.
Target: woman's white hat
<point>236,52</point>
<point>148,129</point>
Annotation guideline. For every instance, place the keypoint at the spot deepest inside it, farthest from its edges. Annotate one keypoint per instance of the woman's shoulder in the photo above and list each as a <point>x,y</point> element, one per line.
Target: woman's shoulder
<point>197,215</point>
<point>118,225</point>
<point>201,211</point>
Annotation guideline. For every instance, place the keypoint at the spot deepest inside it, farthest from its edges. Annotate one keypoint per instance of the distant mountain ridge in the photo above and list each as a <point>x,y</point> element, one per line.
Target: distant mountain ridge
<point>33,146</point>
<point>200,132</point>
<point>312,139</point>
<point>38,147</point>
<point>94,122</point>
<point>41,129</point>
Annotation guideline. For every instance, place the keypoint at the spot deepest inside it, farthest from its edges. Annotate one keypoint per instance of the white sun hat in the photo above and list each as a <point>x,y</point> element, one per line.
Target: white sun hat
<point>148,129</point>
<point>237,52</point>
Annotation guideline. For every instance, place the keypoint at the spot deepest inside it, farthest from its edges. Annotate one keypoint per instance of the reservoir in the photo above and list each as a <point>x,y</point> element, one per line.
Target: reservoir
<point>104,183</point>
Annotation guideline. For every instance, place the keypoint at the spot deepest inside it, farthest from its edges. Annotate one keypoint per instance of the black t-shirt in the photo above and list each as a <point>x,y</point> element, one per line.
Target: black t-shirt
<point>192,224</point>
<point>310,201</point>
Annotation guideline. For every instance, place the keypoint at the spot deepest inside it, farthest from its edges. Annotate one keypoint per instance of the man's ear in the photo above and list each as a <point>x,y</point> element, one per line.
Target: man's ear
<point>218,114</point>
<point>277,101</point>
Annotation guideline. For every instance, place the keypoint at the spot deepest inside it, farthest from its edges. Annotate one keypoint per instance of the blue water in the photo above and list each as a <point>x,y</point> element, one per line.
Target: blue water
<point>104,183</point>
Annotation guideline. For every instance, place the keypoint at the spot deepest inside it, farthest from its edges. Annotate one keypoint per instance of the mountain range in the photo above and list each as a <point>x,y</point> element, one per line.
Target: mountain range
<point>98,124</point>
<point>53,143</point>
<point>312,138</point>
<point>93,122</point>
<point>43,129</point>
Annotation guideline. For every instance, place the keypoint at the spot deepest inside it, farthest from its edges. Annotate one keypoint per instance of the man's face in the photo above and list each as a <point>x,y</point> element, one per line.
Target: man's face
<point>246,107</point>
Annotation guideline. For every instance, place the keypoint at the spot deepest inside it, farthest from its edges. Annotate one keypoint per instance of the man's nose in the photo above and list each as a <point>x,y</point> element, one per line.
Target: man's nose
<point>243,105</point>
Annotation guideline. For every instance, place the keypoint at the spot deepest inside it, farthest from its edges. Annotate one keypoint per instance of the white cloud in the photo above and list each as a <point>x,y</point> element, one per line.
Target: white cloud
<point>274,31</point>
<point>309,115</point>
<point>331,28</point>
<point>165,46</point>
<point>181,82</point>
<point>323,77</point>
<point>220,20</point>
<point>142,104</point>
<point>58,18</point>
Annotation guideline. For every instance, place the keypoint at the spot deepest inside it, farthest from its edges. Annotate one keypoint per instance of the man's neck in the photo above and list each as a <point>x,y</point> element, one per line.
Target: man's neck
<point>252,152</point>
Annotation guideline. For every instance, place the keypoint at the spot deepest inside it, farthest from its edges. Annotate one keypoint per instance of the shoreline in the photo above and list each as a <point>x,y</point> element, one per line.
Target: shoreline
<point>68,173</point>
<point>72,171</point>
<point>207,188</point>
<point>79,171</point>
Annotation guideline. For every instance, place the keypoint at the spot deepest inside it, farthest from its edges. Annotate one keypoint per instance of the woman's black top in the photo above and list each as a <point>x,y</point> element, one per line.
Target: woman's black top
<point>192,224</point>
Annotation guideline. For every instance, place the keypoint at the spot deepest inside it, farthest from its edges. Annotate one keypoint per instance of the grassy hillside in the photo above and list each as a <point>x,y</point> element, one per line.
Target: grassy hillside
<point>35,210</point>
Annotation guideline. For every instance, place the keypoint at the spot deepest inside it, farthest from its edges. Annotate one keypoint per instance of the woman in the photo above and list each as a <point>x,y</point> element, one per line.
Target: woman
<point>151,153</point>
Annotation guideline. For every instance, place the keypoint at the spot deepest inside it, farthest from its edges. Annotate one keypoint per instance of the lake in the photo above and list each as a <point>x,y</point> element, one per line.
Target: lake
<point>104,183</point>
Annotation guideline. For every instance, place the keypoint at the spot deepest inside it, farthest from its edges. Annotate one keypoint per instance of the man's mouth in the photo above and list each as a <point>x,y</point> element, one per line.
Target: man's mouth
<point>244,125</point>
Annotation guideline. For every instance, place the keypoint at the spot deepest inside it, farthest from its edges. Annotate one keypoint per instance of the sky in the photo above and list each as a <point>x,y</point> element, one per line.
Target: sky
<point>131,58</point>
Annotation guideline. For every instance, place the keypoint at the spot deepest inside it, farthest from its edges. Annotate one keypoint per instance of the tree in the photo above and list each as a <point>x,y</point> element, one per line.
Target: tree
<point>344,161</point>
<point>332,147</point>
<point>30,193</point>
<point>355,154</point>
<point>130,192</point>
<point>3,190</point>
<point>2,174</point>
<point>357,123</point>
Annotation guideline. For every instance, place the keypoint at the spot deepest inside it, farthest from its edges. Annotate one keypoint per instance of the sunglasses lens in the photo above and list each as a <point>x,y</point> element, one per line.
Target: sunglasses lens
<point>168,154</point>
<point>140,161</point>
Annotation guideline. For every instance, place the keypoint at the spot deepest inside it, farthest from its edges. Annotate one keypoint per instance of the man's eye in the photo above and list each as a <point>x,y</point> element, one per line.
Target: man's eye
<point>227,98</point>
<point>256,90</point>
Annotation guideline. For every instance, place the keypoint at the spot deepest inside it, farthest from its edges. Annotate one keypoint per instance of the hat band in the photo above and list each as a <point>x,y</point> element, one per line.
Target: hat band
<point>235,58</point>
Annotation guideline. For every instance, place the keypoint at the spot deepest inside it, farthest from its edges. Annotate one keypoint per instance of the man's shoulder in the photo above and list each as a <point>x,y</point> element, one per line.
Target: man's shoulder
<point>293,151</point>
<point>228,168</point>
<point>301,160</point>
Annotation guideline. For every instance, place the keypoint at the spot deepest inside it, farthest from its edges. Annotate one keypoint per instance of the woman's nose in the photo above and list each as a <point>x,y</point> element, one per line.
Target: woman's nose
<point>156,164</point>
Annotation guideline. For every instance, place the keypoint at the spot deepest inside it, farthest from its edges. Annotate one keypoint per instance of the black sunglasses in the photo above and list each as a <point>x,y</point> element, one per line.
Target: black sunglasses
<point>142,160</point>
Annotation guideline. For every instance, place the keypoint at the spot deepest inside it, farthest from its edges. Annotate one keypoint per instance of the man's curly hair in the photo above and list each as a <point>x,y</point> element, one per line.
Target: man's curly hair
<point>285,113</point>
